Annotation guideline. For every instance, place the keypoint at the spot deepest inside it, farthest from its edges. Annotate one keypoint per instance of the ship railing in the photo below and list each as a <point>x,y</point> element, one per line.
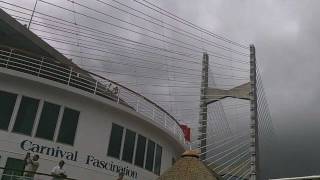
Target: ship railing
<point>313,177</point>
<point>16,174</point>
<point>44,67</point>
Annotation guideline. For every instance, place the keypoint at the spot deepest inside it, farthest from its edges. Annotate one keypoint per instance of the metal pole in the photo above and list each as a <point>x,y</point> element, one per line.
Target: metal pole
<point>40,67</point>
<point>34,8</point>
<point>70,76</point>
<point>254,131</point>
<point>11,50</point>
<point>203,107</point>
<point>118,98</point>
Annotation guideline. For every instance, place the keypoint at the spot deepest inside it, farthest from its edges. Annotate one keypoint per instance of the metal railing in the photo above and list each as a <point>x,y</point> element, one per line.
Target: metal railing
<point>314,177</point>
<point>16,174</point>
<point>51,69</point>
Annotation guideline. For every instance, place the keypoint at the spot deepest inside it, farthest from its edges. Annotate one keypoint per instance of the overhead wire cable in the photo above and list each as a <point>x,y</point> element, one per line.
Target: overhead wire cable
<point>96,39</point>
<point>99,39</point>
<point>178,31</point>
<point>143,28</point>
<point>264,125</point>
<point>245,174</point>
<point>59,18</point>
<point>224,140</point>
<point>97,31</point>
<point>220,76</point>
<point>101,50</point>
<point>145,14</point>
<point>224,106</point>
<point>223,66</point>
<point>231,67</point>
<point>216,125</point>
<point>265,107</point>
<point>231,164</point>
<point>242,166</point>
<point>137,32</point>
<point>226,152</point>
<point>143,34</point>
<point>104,60</point>
<point>213,117</point>
<point>185,22</point>
<point>222,116</point>
<point>241,155</point>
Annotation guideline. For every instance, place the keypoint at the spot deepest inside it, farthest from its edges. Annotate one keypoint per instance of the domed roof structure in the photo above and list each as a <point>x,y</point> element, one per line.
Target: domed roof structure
<point>189,167</point>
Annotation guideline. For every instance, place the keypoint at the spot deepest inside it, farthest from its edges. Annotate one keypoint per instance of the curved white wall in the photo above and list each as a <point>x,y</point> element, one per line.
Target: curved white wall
<point>92,136</point>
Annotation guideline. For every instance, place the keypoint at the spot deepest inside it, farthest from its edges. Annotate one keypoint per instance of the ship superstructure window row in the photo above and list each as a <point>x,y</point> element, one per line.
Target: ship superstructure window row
<point>35,117</point>
<point>131,147</point>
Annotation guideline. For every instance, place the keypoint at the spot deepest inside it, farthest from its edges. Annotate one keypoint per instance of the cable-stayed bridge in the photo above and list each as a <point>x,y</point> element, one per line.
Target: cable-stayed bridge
<point>206,81</point>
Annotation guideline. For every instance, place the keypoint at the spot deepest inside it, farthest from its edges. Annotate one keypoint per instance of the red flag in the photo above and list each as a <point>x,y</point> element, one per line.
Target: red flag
<point>186,131</point>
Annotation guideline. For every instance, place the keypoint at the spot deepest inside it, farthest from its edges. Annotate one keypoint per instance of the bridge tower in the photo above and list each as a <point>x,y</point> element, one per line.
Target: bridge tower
<point>246,91</point>
<point>203,115</point>
<point>254,129</point>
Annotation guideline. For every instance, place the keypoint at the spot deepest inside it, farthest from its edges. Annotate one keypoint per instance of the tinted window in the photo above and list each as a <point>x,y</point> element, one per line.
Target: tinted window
<point>140,151</point>
<point>48,120</point>
<point>26,115</point>
<point>128,147</point>
<point>157,163</point>
<point>115,141</point>
<point>68,126</point>
<point>12,163</point>
<point>150,155</point>
<point>7,102</point>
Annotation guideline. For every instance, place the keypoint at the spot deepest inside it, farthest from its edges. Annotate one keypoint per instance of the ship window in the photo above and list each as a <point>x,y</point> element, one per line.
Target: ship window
<point>115,141</point>
<point>128,147</point>
<point>7,102</point>
<point>48,120</point>
<point>68,126</point>
<point>157,163</point>
<point>140,151</point>
<point>17,165</point>
<point>26,115</point>
<point>150,155</point>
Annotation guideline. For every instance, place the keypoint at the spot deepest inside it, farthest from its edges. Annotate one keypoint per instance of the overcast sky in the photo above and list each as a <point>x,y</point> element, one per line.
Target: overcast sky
<point>287,40</point>
<point>286,36</point>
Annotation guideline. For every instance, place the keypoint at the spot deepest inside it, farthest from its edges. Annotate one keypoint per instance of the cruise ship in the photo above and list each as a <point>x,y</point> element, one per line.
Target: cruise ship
<point>51,107</point>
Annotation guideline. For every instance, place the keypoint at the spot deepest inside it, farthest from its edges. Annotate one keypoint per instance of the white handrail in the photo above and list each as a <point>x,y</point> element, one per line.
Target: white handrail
<point>94,84</point>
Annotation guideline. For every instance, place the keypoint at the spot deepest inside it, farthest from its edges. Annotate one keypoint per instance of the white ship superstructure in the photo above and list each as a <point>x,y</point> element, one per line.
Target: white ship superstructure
<point>51,107</point>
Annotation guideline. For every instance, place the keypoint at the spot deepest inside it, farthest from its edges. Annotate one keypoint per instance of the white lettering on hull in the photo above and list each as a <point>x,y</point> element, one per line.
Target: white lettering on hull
<point>50,151</point>
<point>91,160</point>
<point>57,152</point>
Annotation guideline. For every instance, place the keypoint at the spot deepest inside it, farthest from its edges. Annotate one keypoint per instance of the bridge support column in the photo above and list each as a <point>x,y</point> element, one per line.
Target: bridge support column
<point>203,117</point>
<point>254,133</point>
